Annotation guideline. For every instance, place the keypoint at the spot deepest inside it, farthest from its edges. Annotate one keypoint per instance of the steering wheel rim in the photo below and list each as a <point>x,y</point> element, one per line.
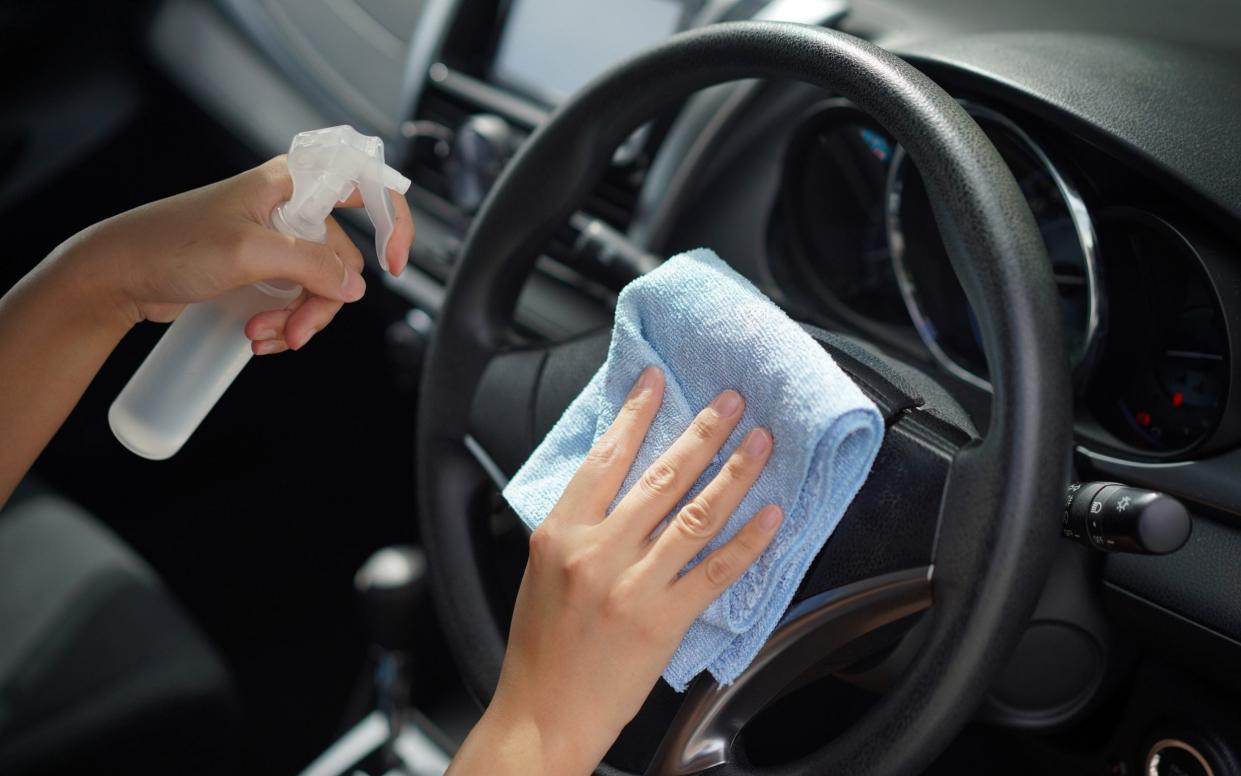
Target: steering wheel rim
<point>995,543</point>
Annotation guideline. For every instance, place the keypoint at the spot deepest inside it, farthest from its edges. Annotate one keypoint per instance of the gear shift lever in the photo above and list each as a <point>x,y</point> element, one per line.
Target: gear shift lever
<point>390,587</point>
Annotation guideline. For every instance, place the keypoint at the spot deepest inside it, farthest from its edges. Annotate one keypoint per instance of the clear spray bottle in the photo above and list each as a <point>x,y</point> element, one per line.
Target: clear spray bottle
<point>206,347</point>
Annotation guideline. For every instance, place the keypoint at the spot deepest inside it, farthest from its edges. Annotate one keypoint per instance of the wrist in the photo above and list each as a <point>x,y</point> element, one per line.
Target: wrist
<point>511,739</point>
<point>89,282</point>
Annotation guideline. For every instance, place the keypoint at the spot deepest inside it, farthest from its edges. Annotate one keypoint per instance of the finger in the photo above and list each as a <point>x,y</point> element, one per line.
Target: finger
<point>702,518</point>
<point>294,325</point>
<point>402,235</point>
<point>402,230</point>
<point>270,324</point>
<point>603,472</point>
<point>340,242</point>
<point>267,325</point>
<point>705,582</point>
<point>670,477</point>
<point>264,254</point>
<point>271,184</point>
<point>317,312</point>
<point>268,347</point>
<point>308,320</point>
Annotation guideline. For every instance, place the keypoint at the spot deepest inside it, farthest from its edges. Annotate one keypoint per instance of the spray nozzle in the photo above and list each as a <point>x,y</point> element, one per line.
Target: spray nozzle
<point>326,166</point>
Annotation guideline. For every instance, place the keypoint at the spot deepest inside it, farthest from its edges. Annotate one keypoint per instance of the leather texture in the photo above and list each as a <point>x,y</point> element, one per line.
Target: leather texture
<point>1000,512</point>
<point>1201,581</point>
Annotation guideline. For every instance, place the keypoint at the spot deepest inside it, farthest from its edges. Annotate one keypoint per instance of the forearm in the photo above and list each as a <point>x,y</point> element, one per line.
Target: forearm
<point>55,333</point>
<point>514,744</point>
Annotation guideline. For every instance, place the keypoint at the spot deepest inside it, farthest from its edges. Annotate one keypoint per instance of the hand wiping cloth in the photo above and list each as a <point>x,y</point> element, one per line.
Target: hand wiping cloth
<point>709,329</point>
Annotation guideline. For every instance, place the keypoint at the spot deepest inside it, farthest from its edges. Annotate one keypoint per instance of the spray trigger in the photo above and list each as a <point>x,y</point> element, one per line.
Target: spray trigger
<point>379,207</point>
<point>326,166</point>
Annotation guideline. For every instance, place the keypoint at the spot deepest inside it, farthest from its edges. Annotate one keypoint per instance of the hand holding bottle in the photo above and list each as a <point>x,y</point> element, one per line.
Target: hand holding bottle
<point>148,263</point>
<point>60,322</point>
<point>264,263</point>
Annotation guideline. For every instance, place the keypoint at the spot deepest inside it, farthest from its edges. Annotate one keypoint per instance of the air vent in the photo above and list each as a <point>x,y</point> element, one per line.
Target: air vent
<point>614,199</point>
<point>436,108</point>
<point>445,107</point>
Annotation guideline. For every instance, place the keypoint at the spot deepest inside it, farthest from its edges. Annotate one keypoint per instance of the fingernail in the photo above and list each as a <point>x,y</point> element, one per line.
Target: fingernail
<point>265,347</point>
<point>264,334</point>
<point>727,404</point>
<point>648,379</point>
<point>757,442</point>
<point>769,518</point>
<point>353,286</point>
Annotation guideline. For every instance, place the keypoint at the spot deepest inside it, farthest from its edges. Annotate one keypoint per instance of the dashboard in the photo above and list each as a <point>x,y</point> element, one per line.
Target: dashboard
<point>1117,119</point>
<point>455,86</point>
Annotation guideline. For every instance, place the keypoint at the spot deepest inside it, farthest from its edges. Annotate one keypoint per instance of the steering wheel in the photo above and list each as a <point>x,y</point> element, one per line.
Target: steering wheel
<point>956,532</point>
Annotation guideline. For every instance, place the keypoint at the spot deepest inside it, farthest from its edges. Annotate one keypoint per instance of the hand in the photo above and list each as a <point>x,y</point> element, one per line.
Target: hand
<point>603,606</point>
<point>148,263</point>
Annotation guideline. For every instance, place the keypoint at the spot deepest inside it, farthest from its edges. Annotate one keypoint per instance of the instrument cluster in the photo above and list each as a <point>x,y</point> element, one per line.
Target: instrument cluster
<point>855,242</point>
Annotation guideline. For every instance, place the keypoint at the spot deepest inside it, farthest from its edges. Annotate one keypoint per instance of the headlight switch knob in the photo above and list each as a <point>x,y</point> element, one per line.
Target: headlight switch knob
<point>1111,517</point>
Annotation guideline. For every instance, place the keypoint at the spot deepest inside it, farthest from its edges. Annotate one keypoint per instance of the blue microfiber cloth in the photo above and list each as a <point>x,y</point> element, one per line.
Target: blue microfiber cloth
<point>709,329</point>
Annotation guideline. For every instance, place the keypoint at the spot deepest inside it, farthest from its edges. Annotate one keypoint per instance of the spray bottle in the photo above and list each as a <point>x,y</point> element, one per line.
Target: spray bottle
<point>206,347</point>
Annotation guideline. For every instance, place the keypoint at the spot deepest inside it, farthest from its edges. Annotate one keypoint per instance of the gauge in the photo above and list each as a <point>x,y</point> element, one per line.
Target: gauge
<point>933,296</point>
<point>1163,379</point>
<point>829,232</point>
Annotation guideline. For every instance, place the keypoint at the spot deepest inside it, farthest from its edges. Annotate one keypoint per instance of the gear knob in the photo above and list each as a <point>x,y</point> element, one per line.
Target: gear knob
<point>390,587</point>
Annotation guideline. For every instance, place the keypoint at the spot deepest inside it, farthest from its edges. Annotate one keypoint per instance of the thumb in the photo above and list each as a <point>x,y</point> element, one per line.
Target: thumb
<point>270,255</point>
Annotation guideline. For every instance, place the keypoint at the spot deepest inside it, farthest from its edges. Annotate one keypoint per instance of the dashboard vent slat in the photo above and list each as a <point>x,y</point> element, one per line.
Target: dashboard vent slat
<point>613,200</point>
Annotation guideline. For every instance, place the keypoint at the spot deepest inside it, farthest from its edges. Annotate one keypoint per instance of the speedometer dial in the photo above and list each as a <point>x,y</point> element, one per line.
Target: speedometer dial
<point>1163,381</point>
<point>936,301</point>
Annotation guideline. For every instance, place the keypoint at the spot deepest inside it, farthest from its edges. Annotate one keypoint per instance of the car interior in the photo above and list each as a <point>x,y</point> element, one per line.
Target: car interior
<point>1016,225</point>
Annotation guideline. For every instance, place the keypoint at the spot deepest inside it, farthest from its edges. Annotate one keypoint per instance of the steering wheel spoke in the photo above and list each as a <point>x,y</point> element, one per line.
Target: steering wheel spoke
<point>522,392</point>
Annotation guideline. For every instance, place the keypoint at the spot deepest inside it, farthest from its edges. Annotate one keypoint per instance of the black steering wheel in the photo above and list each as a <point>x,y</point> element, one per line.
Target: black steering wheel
<point>956,532</point>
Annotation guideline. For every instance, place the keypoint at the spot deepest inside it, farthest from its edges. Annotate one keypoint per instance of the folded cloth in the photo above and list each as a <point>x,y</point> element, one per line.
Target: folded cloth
<point>709,329</point>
